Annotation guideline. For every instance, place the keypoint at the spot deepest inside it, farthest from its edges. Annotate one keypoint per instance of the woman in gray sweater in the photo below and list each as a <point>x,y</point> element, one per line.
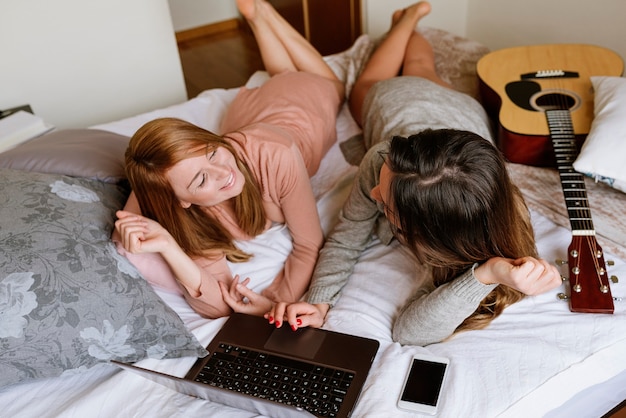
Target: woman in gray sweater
<point>431,180</point>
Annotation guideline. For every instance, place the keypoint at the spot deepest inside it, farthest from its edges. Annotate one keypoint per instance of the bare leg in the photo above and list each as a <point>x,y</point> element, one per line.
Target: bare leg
<point>282,47</point>
<point>419,60</point>
<point>403,48</point>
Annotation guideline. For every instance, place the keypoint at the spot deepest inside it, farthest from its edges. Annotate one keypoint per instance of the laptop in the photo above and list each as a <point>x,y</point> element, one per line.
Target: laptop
<point>277,372</point>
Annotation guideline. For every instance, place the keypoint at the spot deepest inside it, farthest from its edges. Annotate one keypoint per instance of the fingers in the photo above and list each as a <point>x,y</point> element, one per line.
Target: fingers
<point>245,291</point>
<point>234,293</point>
<point>226,295</point>
<point>276,314</point>
<point>243,299</point>
<point>139,234</point>
<point>529,275</point>
<point>232,289</point>
<point>128,218</point>
<point>132,230</point>
<point>538,276</point>
<point>121,214</point>
<point>293,316</point>
<point>296,315</point>
<point>549,279</point>
<point>237,305</point>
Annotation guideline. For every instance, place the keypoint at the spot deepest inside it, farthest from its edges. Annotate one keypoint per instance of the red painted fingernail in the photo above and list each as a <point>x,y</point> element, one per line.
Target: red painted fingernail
<point>271,319</point>
<point>293,327</point>
<point>277,324</point>
<point>299,321</point>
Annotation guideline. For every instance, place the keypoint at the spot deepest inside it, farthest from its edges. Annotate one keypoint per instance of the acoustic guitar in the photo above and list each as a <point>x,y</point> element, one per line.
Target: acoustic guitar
<point>542,98</point>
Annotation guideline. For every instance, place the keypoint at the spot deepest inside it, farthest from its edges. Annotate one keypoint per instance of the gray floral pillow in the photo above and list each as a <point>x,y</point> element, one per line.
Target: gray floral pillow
<point>68,301</point>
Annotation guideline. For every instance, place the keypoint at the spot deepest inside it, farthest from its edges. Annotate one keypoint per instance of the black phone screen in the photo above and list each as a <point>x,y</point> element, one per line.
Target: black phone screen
<point>424,382</point>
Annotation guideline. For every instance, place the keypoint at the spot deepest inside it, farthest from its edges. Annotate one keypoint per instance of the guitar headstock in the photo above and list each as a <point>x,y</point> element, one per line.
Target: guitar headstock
<point>588,279</point>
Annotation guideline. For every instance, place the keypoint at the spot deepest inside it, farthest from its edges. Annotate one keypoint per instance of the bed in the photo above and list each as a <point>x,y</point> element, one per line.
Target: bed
<point>69,302</point>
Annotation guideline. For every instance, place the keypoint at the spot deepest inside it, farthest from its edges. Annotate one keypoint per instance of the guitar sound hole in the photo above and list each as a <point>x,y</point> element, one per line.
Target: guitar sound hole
<point>555,100</point>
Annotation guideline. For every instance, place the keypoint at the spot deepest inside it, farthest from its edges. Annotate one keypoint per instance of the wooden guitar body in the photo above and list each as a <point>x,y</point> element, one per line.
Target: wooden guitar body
<point>516,85</point>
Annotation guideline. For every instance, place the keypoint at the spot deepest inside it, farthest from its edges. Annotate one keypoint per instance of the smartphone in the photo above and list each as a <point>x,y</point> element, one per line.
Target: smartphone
<point>423,385</point>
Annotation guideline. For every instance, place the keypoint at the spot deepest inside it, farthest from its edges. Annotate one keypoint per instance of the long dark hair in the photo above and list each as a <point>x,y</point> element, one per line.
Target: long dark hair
<point>457,206</point>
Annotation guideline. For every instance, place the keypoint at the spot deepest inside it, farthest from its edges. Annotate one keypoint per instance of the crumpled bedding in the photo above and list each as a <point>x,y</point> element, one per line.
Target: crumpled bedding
<point>527,362</point>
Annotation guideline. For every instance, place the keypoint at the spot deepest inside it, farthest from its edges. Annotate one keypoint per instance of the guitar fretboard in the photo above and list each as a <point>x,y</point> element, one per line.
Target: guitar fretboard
<point>572,182</point>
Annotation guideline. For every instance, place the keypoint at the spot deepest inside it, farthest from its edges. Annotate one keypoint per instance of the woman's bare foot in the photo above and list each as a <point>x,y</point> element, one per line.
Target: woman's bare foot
<point>421,9</point>
<point>247,8</point>
<point>412,14</point>
<point>396,16</point>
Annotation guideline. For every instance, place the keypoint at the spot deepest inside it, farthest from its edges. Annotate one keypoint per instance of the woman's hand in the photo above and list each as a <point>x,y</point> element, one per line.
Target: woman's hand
<point>140,234</point>
<point>298,314</point>
<point>242,299</point>
<point>529,275</point>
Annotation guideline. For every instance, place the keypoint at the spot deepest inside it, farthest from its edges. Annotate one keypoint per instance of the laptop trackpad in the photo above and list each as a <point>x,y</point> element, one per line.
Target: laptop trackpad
<point>302,343</point>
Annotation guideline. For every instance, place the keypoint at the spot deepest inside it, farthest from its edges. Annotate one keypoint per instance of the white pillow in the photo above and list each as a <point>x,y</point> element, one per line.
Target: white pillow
<point>603,155</point>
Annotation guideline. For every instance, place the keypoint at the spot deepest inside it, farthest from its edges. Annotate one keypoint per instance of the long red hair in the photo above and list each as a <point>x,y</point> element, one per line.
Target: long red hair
<point>153,150</point>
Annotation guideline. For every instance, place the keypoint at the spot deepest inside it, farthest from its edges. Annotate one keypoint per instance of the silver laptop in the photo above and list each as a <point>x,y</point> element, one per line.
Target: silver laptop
<point>254,366</point>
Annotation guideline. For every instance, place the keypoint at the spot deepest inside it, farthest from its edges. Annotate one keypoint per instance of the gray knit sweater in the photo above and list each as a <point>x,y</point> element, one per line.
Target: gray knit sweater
<point>400,106</point>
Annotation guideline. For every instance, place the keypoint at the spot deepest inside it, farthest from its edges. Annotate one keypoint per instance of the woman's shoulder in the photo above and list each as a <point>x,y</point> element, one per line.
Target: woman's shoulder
<point>274,159</point>
<point>262,138</point>
<point>375,156</point>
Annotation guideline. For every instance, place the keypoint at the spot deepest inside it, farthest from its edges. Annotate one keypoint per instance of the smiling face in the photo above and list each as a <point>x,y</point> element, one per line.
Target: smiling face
<point>206,180</point>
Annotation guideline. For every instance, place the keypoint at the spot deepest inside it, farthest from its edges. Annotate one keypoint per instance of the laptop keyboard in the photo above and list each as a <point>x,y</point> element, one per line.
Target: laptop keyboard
<point>317,389</point>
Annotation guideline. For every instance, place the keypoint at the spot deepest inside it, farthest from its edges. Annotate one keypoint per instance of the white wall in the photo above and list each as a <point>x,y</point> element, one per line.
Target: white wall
<point>447,14</point>
<point>83,62</point>
<point>80,63</point>
<point>450,15</point>
<point>506,23</point>
<point>495,23</point>
<point>187,14</point>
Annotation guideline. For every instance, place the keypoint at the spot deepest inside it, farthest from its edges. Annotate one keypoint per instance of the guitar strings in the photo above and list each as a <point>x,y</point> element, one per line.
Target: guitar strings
<point>561,103</point>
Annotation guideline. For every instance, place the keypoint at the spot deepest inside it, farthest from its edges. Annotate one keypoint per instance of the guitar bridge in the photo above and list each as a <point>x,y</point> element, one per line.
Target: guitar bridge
<point>550,74</point>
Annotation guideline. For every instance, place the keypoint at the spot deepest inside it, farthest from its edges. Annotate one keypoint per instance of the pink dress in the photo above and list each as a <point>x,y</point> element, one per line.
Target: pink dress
<point>282,130</point>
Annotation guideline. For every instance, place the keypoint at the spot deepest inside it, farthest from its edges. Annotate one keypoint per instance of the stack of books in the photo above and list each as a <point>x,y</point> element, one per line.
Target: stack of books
<point>20,126</point>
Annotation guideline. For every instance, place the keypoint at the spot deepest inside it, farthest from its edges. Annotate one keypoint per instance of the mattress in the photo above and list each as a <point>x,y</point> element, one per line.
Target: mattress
<point>537,359</point>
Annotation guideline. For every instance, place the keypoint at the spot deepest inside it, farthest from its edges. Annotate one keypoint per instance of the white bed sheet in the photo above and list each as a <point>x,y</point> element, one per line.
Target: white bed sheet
<point>531,361</point>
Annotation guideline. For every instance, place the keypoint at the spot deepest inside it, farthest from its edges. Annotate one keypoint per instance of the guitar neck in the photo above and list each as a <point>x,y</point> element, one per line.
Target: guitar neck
<point>590,290</point>
<point>572,182</point>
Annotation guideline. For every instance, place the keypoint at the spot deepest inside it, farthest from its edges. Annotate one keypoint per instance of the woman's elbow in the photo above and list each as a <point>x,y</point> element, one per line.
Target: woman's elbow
<point>399,336</point>
<point>405,334</point>
<point>209,310</point>
<point>217,312</point>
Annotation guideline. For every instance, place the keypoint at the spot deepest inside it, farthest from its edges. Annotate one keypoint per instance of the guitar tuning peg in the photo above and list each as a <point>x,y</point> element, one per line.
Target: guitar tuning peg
<point>562,296</point>
<point>560,262</point>
<point>610,262</point>
<point>614,279</point>
<point>563,278</point>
